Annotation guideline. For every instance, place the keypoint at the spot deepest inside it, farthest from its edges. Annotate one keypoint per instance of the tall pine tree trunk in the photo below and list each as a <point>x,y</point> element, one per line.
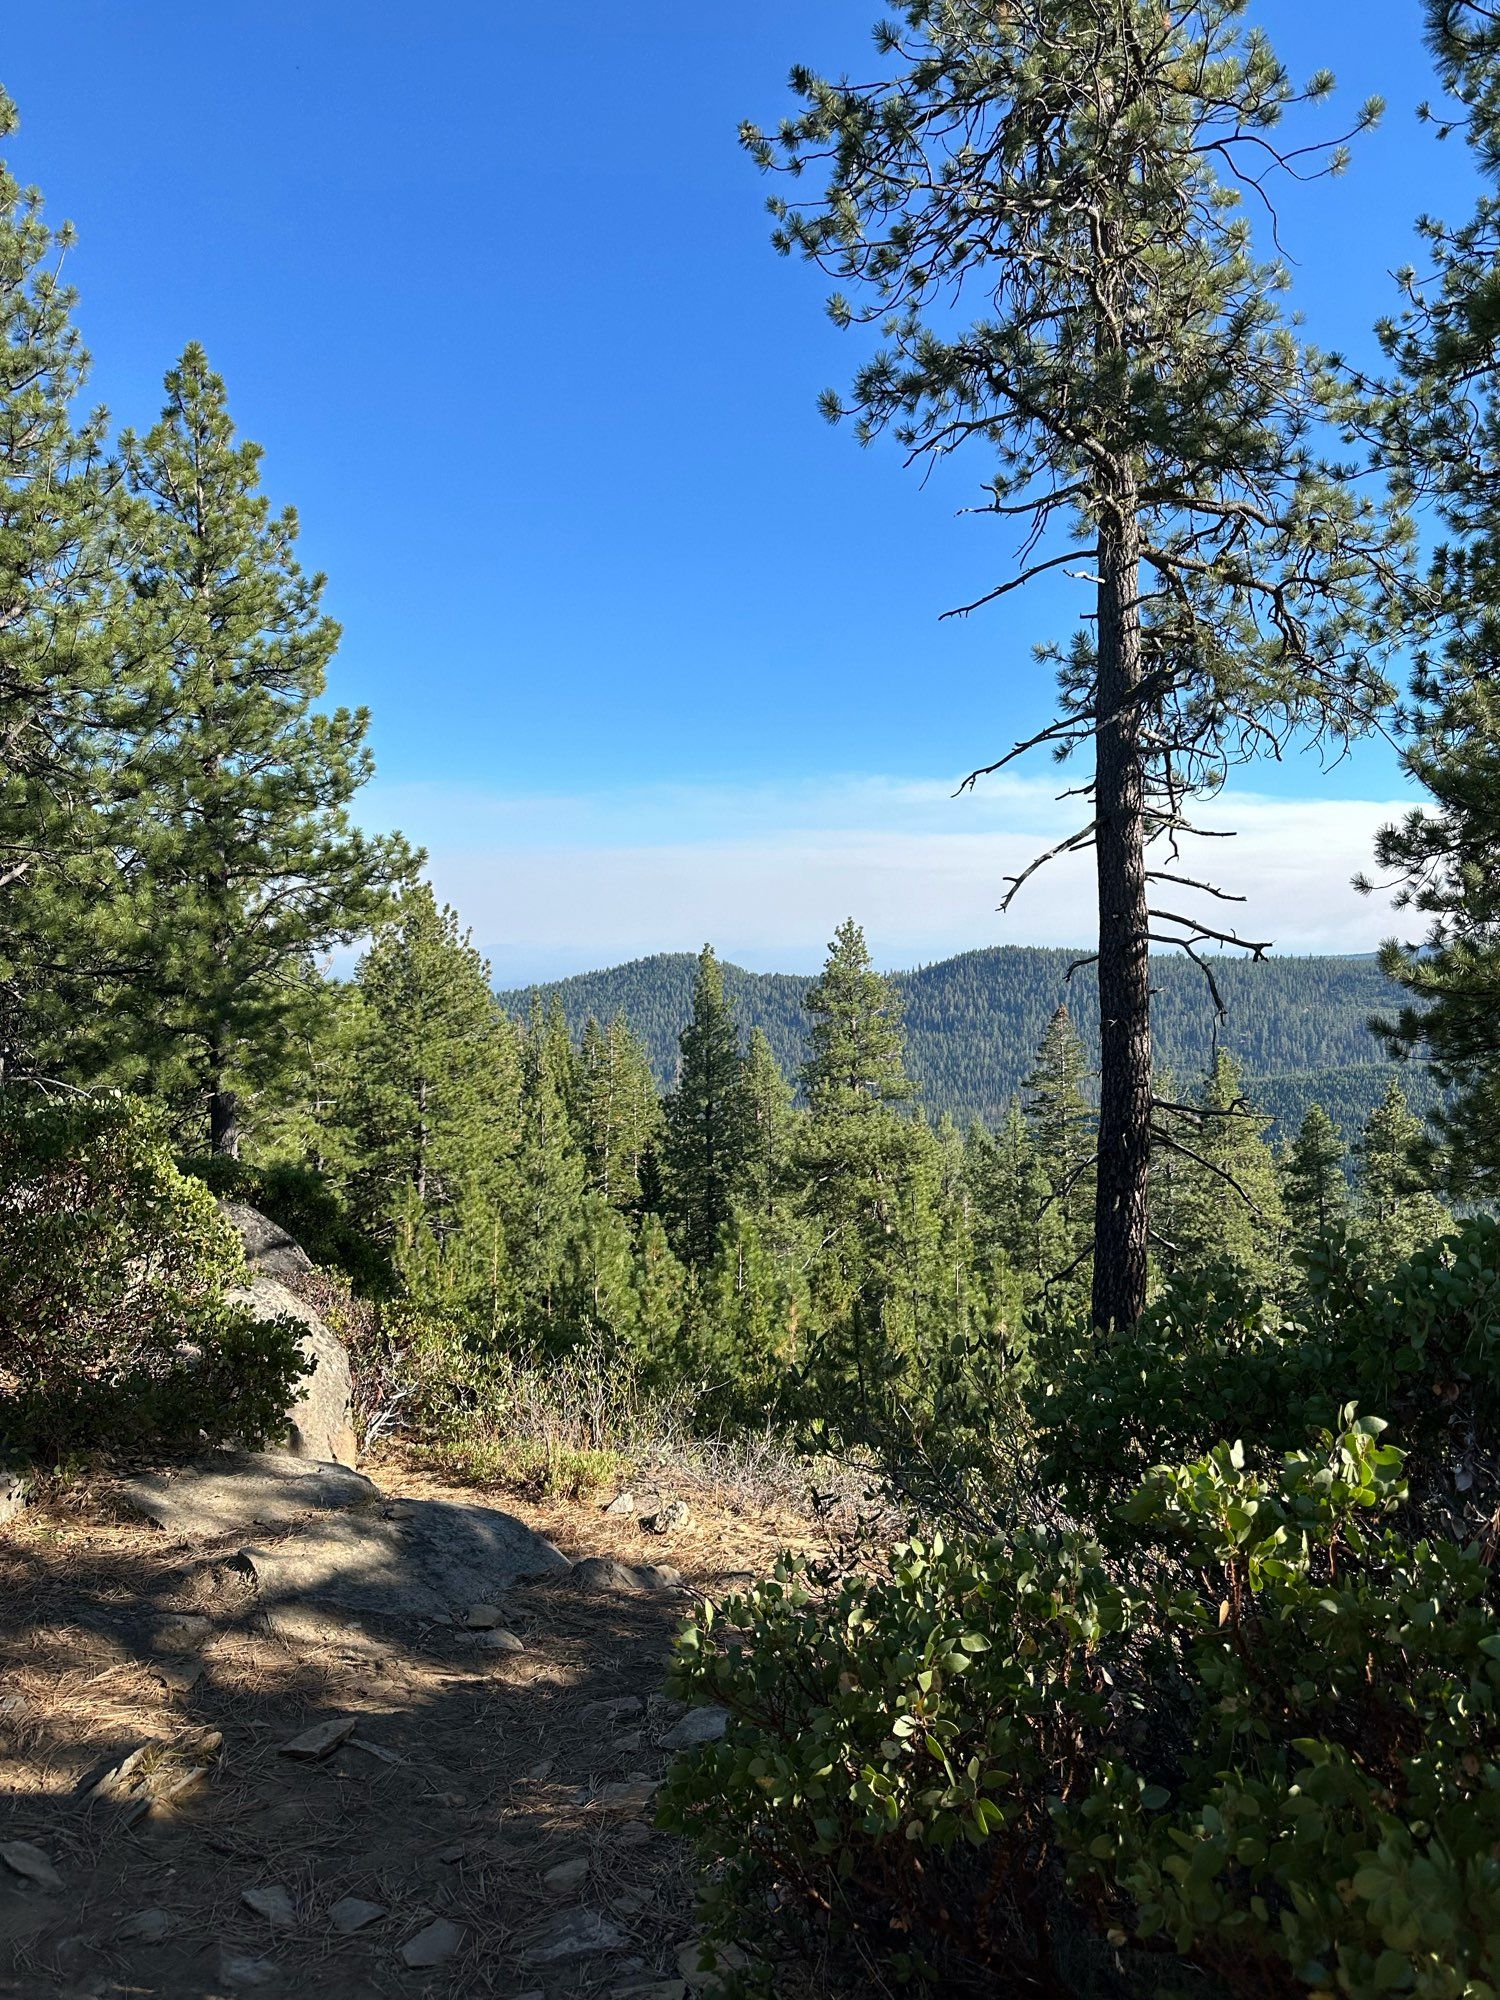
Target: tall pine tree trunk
<point>1120,1210</point>
<point>223,1113</point>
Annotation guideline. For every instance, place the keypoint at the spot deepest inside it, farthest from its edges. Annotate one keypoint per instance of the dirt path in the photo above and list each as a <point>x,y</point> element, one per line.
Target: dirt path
<point>487,1808</point>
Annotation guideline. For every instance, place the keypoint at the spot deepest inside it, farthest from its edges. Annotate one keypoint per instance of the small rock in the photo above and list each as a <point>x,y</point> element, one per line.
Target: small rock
<point>178,1676</point>
<point>147,1926</point>
<point>540,1773</point>
<point>452,1854</point>
<point>484,1617</point>
<point>271,1902</point>
<point>180,1632</point>
<point>626,1746</point>
<point>623,1503</point>
<point>353,1913</point>
<point>241,1969</point>
<point>501,1641</point>
<point>323,1737</point>
<point>17,1484</point>
<point>659,1576</point>
<point>671,1520</point>
<point>566,1876</point>
<point>376,1750</point>
<point>433,1946</point>
<point>635,1833</point>
<point>71,1955</point>
<point>612,1708</point>
<point>603,1576</point>
<point>571,1934</point>
<point>699,1725</point>
<point>634,1795</point>
<point>24,1859</point>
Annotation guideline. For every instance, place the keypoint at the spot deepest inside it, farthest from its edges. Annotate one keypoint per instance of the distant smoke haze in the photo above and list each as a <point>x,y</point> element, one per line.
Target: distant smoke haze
<point>553,885</point>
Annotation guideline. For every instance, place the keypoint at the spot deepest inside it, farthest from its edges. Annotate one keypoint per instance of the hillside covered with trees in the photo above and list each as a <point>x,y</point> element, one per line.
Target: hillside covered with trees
<point>1299,1027</point>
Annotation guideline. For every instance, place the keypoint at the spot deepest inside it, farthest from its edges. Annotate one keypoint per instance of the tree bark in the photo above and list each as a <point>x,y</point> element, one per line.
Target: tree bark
<point>223,1122</point>
<point>1120,1207</point>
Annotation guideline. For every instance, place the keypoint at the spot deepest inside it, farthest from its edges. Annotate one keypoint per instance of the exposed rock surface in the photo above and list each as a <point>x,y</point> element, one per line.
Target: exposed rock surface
<point>15,1489</point>
<point>432,1561</point>
<point>322,1418</point>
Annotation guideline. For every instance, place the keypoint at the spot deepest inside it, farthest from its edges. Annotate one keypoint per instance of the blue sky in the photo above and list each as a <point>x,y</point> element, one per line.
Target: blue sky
<point>653,653</point>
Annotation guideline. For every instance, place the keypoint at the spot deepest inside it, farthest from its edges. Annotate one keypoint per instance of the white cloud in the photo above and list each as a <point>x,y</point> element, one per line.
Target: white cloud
<point>767,871</point>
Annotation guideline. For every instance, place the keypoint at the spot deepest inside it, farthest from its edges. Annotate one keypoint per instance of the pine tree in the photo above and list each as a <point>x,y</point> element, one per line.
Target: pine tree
<point>544,1197</point>
<point>596,1299</point>
<point>1439,424</point>
<point>856,1059</point>
<point>434,1098</point>
<point>769,1152</point>
<point>1396,1212</point>
<point>1073,177</point>
<point>1314,1186</point>
<point>660,1284</point>
<point>870,1175</point>
<point>617,1108</point>
<point>742,1334</point>
<point>57,588</point>
<point>1061,1124</point>
<point>241,855</point>
<point>1228,1203</point>
<point>707,1129</point>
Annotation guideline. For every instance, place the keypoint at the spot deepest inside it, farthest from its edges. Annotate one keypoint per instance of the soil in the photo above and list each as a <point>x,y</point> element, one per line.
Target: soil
<point>470,1771</point>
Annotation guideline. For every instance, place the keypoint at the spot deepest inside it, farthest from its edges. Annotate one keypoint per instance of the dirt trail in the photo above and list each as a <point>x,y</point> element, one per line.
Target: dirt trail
<point>488,1808</point>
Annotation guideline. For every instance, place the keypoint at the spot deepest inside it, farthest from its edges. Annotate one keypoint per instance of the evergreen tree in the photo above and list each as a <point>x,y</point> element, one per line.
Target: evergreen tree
<point>617,1110</point>
<point>870,1175</point>
<point>242,859</point>
<point>769,1152</point>
<point>1396,1212</point>
<point>545,1191</point>
<point>856,1060</point>
<point>1011,1192</point>
<point>1314,1186</point>
<point>660,1284</point>
<point>1439,423</point>
<point>707,1129</point>
<point>742,1338</point>
<point>1228,1201</point>
<point>57,585</point>
<point>434,1098</point>
<point>1061,1124</point>
<point>596,1299</point>
<point>1077,173</point>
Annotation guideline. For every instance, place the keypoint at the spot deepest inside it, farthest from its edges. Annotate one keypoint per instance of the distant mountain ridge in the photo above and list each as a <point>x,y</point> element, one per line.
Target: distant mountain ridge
<point>1299,1026</point>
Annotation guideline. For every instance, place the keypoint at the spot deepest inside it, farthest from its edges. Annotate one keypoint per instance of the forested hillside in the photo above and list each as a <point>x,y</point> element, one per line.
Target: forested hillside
<point>1299,1026</point>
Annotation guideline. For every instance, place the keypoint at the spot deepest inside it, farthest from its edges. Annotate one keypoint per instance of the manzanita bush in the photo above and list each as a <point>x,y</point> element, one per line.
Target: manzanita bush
<point>1252,1749</point>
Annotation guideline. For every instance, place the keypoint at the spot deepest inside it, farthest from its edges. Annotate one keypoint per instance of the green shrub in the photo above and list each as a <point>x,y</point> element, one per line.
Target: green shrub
<point>1262,1730</point>
<point>887,1779</point>
<point>112,1272</point>
<point>1332,1821</point>
<point>1212,1358</point>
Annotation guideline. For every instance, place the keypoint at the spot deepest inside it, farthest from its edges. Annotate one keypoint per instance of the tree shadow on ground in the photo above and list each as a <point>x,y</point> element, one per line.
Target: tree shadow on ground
<point>469,1774</point>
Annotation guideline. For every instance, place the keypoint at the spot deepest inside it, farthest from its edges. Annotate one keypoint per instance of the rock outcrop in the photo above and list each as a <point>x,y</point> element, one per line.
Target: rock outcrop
<point>327,1536</point>
<point>322,1418</point>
